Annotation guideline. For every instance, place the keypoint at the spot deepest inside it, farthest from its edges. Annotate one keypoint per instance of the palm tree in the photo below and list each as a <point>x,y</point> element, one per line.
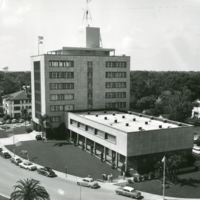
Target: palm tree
<point>29,189</point>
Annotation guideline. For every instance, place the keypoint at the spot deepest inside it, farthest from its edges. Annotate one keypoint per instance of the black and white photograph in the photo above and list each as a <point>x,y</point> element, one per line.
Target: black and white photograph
<point>99,99</point>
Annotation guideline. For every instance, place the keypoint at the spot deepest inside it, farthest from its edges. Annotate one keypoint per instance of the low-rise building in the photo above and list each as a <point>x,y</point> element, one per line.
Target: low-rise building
<point>13,104</point>
<point>130,139</point>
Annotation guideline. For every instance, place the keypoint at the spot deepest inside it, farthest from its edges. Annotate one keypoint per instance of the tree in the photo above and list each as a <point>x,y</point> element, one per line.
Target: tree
<point>29,189</point>
<point>44,122</point>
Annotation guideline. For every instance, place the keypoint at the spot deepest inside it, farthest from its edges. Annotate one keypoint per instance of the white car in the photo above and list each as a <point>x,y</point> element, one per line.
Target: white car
<point>128,192</point>
<point>28,165</point>
<point>196,149</point>
<point>88,182</point>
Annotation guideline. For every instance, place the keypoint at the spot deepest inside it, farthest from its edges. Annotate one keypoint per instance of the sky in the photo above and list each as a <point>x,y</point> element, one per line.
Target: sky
<point>161,35</point>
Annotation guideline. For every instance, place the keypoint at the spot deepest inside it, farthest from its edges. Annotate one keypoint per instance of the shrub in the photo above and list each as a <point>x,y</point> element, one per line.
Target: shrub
<point>29,130</point>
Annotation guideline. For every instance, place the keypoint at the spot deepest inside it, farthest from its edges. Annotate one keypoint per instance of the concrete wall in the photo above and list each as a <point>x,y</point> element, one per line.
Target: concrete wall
<point>156,141</point>
<point>121,137</point>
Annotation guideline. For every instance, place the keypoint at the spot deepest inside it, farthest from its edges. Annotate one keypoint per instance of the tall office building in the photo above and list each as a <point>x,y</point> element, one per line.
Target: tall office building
<point>74,78</point>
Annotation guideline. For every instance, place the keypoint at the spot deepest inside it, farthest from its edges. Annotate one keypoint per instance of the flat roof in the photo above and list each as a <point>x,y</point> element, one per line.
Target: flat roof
<point>129,122</point>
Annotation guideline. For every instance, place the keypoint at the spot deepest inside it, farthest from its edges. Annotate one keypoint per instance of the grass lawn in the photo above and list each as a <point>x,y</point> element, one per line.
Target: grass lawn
<point>187,187</point>
<point>59,155</point>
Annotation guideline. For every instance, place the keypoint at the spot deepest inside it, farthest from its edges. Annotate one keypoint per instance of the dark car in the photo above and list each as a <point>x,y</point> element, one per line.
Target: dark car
<point>1,149</point>
<point>5,154</point>
<point>16,160</point>
<point>38,137</point>
<point>46,171</point>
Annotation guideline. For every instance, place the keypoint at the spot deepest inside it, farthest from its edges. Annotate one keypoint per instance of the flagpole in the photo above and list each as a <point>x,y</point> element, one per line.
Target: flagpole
<point>164,163</point>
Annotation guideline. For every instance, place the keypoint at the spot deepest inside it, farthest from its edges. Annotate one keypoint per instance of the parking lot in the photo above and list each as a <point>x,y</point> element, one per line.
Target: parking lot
<point>65,158</point>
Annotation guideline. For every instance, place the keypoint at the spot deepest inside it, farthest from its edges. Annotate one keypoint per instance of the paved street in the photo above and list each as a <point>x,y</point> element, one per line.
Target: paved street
<point>59,189</point>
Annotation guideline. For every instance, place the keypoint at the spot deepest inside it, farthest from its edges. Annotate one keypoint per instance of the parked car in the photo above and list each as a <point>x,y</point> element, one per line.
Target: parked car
<point>38,137</point>
<point>88,182</point>
<point>196,150</point>
<point>46,171</point>
<point>13,121</point>
<point>1,149</point>
<point>129,192</point>
<point>16,160</point>
<point>5,154</point>
<point>2,122</point>
<point>27,165</point>
<point>21,120</point>
<point>8,121</point>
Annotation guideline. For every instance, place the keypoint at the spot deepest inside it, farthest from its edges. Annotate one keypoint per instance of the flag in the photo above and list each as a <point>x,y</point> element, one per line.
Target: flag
<point>163,159</point>
<point>40,37</point>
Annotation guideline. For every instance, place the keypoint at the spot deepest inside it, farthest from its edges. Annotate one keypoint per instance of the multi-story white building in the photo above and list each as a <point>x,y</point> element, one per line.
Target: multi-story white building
<point>133,139</point>
<point>76,78</point>
<point>14,103</point>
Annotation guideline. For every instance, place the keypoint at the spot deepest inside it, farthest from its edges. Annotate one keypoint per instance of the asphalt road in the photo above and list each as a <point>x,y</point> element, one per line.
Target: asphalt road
<point>59,189</point>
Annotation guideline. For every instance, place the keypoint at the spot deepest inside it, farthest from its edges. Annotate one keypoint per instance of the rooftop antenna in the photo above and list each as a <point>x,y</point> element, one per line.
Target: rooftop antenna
<point>87,17</point>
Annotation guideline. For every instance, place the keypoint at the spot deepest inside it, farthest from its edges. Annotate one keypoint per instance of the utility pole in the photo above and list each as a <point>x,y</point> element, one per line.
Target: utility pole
<point>164,166</point>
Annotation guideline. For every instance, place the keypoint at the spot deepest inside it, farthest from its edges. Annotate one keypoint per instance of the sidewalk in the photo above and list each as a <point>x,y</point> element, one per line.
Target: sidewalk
<point>105,185</point>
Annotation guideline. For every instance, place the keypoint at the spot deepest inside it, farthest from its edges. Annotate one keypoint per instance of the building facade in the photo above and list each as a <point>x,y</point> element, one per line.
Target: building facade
<point>79,79</point>
<point>132,139</point>
<point>13,104</point>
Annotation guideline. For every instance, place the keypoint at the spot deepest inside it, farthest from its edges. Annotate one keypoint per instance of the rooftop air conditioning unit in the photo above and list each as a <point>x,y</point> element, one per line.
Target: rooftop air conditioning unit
<point>152,117</point>
<point>140,128</point>
<point>88,113</point>
<point>96,115</point>
<point>115,121</point>
<point>127,124</point>
<point>146,123</point>
<point>180,124</point>
<point>113,114</point>
<point>160,126</point>
<point>140,115</point>
<point>165,121</point>
<point>123,116</point>
<point>134,119</point>
<point>105,111</point>
<point>105,118</point>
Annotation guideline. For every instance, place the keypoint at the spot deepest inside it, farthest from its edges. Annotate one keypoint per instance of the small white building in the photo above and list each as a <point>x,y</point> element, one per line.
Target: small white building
<point>129,139</point>
<point>14,103</point>
<point>196,110</point>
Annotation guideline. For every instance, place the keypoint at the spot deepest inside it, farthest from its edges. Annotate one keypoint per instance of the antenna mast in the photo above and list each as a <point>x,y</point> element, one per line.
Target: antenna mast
<point>87,17</point>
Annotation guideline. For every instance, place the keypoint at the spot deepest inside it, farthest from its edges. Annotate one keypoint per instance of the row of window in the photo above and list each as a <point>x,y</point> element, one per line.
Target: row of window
<point>115,64</point>
<point>19,108</point>
<point>96,132</point>
<point>61,63</point>
<point>113,95</point>
<point>61,97</point>
<point>115,85</point>
<point>57,108</point>
<point>115,74</point>
<point>116,105</point>
<point>55,119</point>
<point>22,101</point>
<point>61,74</point>
<point>61,86</point>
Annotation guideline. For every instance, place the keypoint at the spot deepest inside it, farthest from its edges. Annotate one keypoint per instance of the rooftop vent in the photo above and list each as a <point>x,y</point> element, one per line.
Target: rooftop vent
<point>105,111</point>
<point>165,121</point>
<point>160,126</point>
<point>140,115</point>
<point>96,115</point>
<point>134,119</point>
<point>140,128</point>
<point>180,124</point>
<point>146,123</point>
<point>115,121</point>
<point>152,117</point>
<point>105,118</point>
<point>113,114</point>
<point>123,116</point>
<point>88,113</point>
<point>127,124</point>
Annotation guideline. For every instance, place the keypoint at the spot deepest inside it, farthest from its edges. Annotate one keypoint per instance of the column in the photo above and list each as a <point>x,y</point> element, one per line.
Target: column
<point>126,164</point>
<point>117,160</point>
<point>85,143</point>
<point>77,139</point>
<point>104,150</point>
<point>94,148</point>
<point>70,135</point>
